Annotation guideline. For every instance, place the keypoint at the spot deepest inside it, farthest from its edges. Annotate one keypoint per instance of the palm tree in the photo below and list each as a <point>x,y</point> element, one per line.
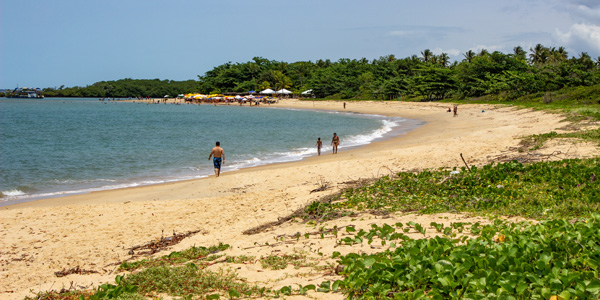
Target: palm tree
<point>562,53</point>
<point>557,55</point>
<point>427,55</point>
<point>586,60</point>
<point>483,52</point>
<point>520,53</point>
<point>539,54</point>
<point>443,59</point>
<point>469,55</point>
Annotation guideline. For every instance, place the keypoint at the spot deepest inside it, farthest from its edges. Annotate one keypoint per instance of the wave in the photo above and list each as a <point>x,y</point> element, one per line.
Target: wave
<point>389,127</point>
<point>11,193</point>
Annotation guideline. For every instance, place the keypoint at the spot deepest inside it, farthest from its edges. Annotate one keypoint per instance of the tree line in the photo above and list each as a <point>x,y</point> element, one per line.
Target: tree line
<point>426,76</point>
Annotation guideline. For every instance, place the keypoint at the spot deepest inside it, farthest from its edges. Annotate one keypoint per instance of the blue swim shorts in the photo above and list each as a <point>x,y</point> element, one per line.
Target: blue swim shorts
<point>217,162</point>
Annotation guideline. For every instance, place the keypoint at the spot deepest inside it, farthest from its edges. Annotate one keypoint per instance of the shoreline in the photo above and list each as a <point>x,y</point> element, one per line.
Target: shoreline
<point>395,132</point>
<point>94,231</point>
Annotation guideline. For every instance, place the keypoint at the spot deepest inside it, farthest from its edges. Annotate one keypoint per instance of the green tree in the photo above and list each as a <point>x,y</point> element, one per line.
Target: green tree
<point>519,53</point>
<point>280,80</point>
<point>427,55</point>
<point>469,55</point>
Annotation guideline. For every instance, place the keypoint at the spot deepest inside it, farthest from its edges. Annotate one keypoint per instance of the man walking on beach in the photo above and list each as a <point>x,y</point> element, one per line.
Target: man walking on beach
<point>218,155</point>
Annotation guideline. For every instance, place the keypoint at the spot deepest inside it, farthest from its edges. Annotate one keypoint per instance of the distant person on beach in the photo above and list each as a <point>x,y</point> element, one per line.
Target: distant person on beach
<point>218,155</point>
<point>335,142</point>
<point>319,145</point>
<point>344,105</point>
<point>455,110</point>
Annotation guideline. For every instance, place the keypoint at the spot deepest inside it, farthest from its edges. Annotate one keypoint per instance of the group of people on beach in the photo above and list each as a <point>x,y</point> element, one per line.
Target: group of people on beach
<point>218,154</point>
<point>454,109</point>
<point>335,142</point>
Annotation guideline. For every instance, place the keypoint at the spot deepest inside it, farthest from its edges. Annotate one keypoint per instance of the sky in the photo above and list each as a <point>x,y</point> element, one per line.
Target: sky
<point>77,43</point>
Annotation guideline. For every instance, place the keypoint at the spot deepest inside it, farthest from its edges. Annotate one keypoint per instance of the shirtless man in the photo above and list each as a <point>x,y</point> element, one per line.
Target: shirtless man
<point>335,142</point>
<point>218,155</point>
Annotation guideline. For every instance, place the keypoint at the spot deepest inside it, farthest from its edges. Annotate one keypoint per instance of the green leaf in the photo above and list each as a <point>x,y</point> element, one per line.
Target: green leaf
<point>336,284</point>
<point>369,261</point>
<point>593,286</point>
<point>213,296</point>
<point>286,290</point>
<point>565,295</point>
<point>324,287</point>
<point>521,287</point>
<point>445,281</point>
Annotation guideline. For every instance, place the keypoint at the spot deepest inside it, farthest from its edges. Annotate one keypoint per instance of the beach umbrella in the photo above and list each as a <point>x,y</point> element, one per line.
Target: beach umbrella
<point>268,91</point>
<point>283,91</point>
<point>167,96</point>
<point>307,92</point>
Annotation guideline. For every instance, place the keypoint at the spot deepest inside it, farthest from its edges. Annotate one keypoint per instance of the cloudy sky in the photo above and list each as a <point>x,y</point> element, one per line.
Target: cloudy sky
<point>77,43</point>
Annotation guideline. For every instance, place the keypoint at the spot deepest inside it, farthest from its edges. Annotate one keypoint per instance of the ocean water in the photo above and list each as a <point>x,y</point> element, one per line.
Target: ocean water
<point>54,147</point>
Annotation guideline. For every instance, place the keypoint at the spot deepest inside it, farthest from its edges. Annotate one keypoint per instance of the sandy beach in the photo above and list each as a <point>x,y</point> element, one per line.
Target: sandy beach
<point>95,231</point>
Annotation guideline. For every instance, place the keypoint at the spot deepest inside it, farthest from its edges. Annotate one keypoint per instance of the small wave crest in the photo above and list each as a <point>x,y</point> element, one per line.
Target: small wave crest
<point>362,139</point>
<point>11,193</point>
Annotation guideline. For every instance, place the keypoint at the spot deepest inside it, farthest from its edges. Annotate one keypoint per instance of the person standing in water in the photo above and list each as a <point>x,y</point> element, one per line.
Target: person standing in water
<point>218,155</point>
<point>335,142</point>
<point>319,145</point>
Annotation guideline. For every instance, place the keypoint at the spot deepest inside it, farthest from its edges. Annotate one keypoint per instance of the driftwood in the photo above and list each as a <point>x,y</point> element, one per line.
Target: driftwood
<point>463,159</point>
<point>76,270</point>
<point>514,154</point>
<point>160,244</point>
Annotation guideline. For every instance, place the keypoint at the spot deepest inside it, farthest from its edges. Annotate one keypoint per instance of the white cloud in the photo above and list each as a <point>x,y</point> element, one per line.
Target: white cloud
<point>585,8</point>
<point>451,52</point>
<point>401,33</point>
<point>489,48</point>
<point>581,36</point>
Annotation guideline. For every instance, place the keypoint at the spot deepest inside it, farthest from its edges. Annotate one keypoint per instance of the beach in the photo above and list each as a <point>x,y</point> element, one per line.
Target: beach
<point>96,231</point>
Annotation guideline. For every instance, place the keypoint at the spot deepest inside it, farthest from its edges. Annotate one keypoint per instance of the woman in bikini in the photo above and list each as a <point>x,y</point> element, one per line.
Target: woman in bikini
<point>335,142</point>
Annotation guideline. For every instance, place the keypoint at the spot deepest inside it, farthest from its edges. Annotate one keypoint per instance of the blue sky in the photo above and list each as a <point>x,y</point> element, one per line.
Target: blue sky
<point>77,43</point>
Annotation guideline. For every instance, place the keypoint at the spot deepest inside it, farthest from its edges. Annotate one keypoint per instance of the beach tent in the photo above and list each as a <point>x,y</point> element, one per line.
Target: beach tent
<point>268,91</point>
<point>307,92</point>
<point>283,91</point>
<point>251,92</point>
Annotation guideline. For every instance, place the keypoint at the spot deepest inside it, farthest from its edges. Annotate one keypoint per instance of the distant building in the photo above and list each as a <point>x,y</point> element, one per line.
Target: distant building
<point>24,92</point>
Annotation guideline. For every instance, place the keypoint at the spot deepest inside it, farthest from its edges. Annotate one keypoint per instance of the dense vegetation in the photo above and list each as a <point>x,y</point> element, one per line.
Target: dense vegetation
<point>424,77</point>
<point>555,259</point>
<point>563,189</point>
<point>124,88</point>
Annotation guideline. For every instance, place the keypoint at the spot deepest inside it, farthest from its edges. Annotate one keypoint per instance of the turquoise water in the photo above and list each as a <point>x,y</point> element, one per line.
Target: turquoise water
<point>55,147</point>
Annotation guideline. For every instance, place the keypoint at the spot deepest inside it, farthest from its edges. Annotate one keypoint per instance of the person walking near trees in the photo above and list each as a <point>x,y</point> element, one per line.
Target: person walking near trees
<point>218,155</point>
<point>335,142</point>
